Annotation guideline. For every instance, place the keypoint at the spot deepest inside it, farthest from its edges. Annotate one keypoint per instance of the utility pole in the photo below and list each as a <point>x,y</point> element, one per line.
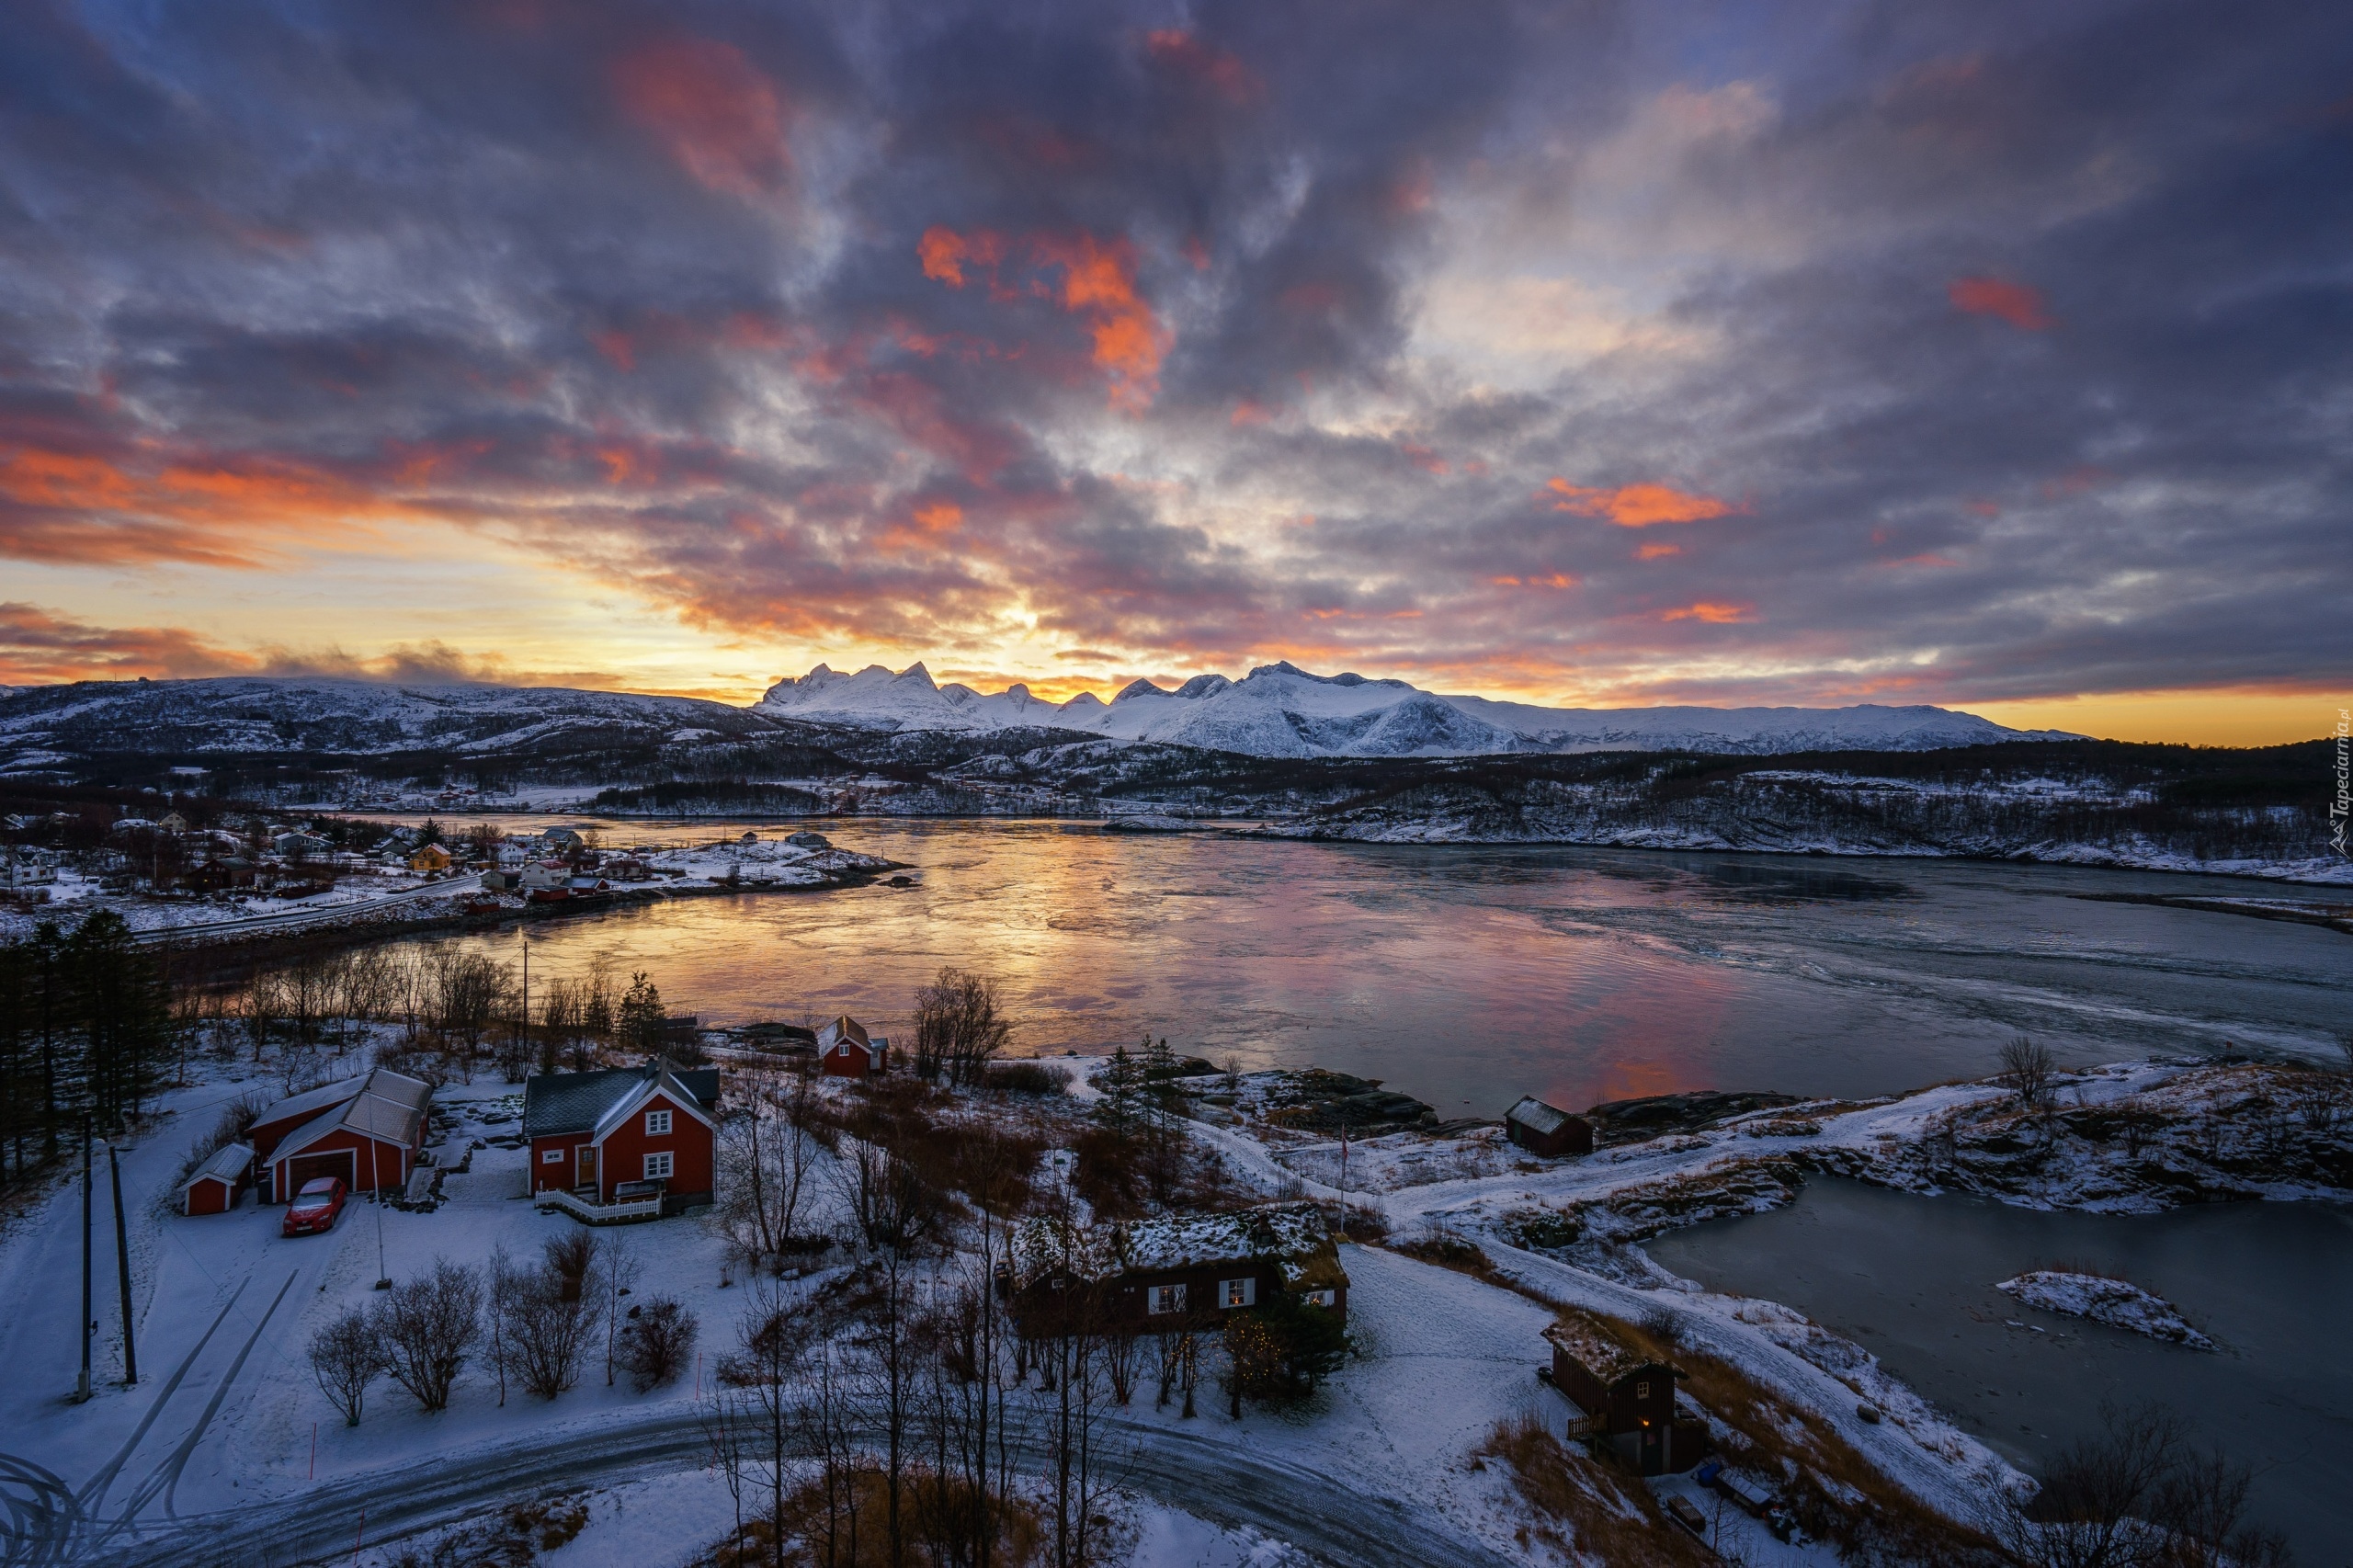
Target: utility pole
<point>383,1274</point>
<point>526,1024</point>
<point>122,1264</point>
<point>82,1388</point>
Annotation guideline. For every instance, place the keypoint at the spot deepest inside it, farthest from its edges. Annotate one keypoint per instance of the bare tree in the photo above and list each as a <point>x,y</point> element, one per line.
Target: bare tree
<point>766,1151</point>
<point>2096,1500</point>
<point>886,1196</point>
<point>552,1314</point>
<point>959,1027</point>
<point>425,1326</point>
<point>345,1358</point>
<point>2201,1506</point>
<point>2028,1067</point>
<point>619,1273</point>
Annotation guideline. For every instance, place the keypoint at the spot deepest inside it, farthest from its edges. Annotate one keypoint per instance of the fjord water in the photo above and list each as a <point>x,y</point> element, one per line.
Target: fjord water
<point>1469,975</point>
<point>1910,1278</point>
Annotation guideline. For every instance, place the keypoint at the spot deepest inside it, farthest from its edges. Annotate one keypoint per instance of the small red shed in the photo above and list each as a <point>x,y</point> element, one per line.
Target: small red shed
<point>219,1182</point>
<point>1627,1395</point>
<point>650,1129</point>
<point>844,1049</point>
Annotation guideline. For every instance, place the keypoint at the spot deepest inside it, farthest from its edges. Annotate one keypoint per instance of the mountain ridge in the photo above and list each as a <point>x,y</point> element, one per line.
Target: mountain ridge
<point>1279,710</point>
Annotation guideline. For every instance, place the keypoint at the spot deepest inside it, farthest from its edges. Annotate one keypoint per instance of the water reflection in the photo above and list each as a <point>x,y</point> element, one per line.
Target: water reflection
<point>1468,976</point>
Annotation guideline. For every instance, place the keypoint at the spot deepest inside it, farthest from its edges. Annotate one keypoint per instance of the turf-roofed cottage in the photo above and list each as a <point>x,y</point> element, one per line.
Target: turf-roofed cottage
<point>368,1131</point>
<point>624,1133</point>
<point>1627,1395</point>
<point>1180,1271</point>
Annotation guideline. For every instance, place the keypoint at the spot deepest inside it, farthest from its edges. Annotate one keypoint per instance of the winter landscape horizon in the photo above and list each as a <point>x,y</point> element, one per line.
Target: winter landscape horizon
<point>1555,785</point>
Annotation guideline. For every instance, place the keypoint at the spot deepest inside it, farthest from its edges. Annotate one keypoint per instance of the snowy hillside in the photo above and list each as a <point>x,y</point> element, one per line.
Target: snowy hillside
<point>313,717</point>
<point>1281,711</point>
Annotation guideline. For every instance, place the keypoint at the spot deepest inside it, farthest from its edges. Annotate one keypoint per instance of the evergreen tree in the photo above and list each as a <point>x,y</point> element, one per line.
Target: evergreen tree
<point>641,1014</point>
<point>1121,1105</point>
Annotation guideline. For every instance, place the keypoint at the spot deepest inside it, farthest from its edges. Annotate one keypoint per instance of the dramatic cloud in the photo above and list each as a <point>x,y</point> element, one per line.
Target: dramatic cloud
<point>1947,352</point>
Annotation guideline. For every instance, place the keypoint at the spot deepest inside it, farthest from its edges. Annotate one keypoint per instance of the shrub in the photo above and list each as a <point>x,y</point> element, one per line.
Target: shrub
<point>1028,1078</point>
<point>425,1326</point>
<point>345,1358</point>
<point>656,1344</point>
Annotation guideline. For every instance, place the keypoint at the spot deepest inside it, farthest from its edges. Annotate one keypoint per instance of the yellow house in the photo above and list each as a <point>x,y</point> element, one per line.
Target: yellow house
<point>428,857</point>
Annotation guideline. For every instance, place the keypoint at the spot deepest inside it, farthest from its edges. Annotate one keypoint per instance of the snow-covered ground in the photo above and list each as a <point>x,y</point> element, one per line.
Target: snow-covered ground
<point>2117,1303</point>
<point>226,1429</point>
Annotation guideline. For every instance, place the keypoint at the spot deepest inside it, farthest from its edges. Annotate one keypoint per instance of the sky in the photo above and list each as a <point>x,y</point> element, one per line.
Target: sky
<point>1987,354</point>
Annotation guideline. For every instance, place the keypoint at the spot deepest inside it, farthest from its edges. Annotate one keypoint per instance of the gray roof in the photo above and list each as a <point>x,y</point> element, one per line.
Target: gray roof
<point>1536,1115</point>
<point>309,1102</point>
<point>228,1163</point>
<point>389,1107</point>
<point>841,1028</point>
<point>577,1102</point>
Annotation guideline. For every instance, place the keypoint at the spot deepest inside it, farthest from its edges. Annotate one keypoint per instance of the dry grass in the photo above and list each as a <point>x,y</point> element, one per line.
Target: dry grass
<point>866,1543</point>
<point>1587,1508</point>
<point>1445,1250</point>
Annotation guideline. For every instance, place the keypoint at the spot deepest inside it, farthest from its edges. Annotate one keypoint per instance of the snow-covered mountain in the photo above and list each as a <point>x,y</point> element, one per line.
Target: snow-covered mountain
<point>1281,710</point>
<point>255,716</point>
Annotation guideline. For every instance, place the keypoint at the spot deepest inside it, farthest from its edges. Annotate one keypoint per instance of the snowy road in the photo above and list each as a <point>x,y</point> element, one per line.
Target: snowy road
<point>1204,1474</point>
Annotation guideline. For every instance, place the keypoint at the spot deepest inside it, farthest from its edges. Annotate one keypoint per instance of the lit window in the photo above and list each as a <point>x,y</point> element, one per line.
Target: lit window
<point>1237,1292</point>
<point>657,1167</point>
<point>1166,1299</point>
<point>551,1156</point>
<point>1642,1390</point>
<point>657,1124</point>
<point>1323,1298</point>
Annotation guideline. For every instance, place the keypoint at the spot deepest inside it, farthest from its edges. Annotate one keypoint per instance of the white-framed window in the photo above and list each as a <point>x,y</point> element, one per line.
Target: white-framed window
<point>1326,1298</point>
<point>657,1124</point>
<point>551,1156</point>
<point>1237,1292</point>
<point>1165,1299</point>
<point>658,1167</point>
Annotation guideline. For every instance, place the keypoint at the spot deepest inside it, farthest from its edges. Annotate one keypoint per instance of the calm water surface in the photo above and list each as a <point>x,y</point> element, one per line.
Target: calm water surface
<point>1910,1278</point>
<point>1470,975</point>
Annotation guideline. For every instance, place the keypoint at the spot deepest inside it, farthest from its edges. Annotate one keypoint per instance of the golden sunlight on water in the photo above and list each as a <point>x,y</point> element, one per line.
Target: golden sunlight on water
<point>1467,976</point>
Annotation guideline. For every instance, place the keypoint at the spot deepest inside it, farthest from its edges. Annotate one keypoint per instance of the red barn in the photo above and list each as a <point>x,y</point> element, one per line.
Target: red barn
<point>624,1135</point>
<point>845,1050</point>
<point>368,1131</point>
<point>219,1182</point>
<point>1547,1129</point>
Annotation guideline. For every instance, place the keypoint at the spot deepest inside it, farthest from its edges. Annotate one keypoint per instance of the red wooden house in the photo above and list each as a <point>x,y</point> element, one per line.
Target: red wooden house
<point>845,1050</point>
<point>624,1135</point>
<point>1547,1129</point>
<point>368,1131</point>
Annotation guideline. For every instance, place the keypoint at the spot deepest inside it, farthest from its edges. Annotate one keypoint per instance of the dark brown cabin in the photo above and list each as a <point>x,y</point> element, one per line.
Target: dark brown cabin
<point>1627,1397</point>
<point>1547,1129</point>
<point>1179,1272</point>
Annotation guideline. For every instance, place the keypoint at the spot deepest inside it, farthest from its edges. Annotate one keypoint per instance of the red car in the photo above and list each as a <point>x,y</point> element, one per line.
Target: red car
<point>315,1207</point>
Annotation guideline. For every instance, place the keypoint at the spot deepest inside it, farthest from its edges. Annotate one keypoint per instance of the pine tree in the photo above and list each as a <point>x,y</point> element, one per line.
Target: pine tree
<point>1121,1105</point>
<point>641,1013</point>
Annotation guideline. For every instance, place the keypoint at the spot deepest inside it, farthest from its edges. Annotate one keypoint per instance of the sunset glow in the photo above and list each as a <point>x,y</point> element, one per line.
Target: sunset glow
<point>1600,361</point>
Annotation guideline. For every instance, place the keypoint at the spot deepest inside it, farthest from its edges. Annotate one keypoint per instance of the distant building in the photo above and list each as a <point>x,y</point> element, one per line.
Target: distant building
<point>501,881</point>
<point>428,857</point>
<point>544,875</point>
<point>1547,1129</point>
<point>1181,1271</point>
<point>173,823</point>
<point>1626,1395</point>
<point>298,845</point>
<point>845,1050</point>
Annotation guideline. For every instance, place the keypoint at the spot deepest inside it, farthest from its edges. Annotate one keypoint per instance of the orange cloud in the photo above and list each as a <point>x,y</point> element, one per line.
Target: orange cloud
<point>1249,413</point>
<point>1100,282</point>
<point>944,253</point>
<point>2014,302</point>
<point>1657,552</point>
<point>1179,50</point>
<point>1713,614</point>
<point>1637,505</point>
<point>1555,580</point>
<point>712,111</point>
<point>65,507</point>
<point>37,647</point>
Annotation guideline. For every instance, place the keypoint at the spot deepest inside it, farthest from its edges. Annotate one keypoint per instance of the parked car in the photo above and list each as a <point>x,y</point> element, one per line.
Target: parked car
<point>315,1207</point>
